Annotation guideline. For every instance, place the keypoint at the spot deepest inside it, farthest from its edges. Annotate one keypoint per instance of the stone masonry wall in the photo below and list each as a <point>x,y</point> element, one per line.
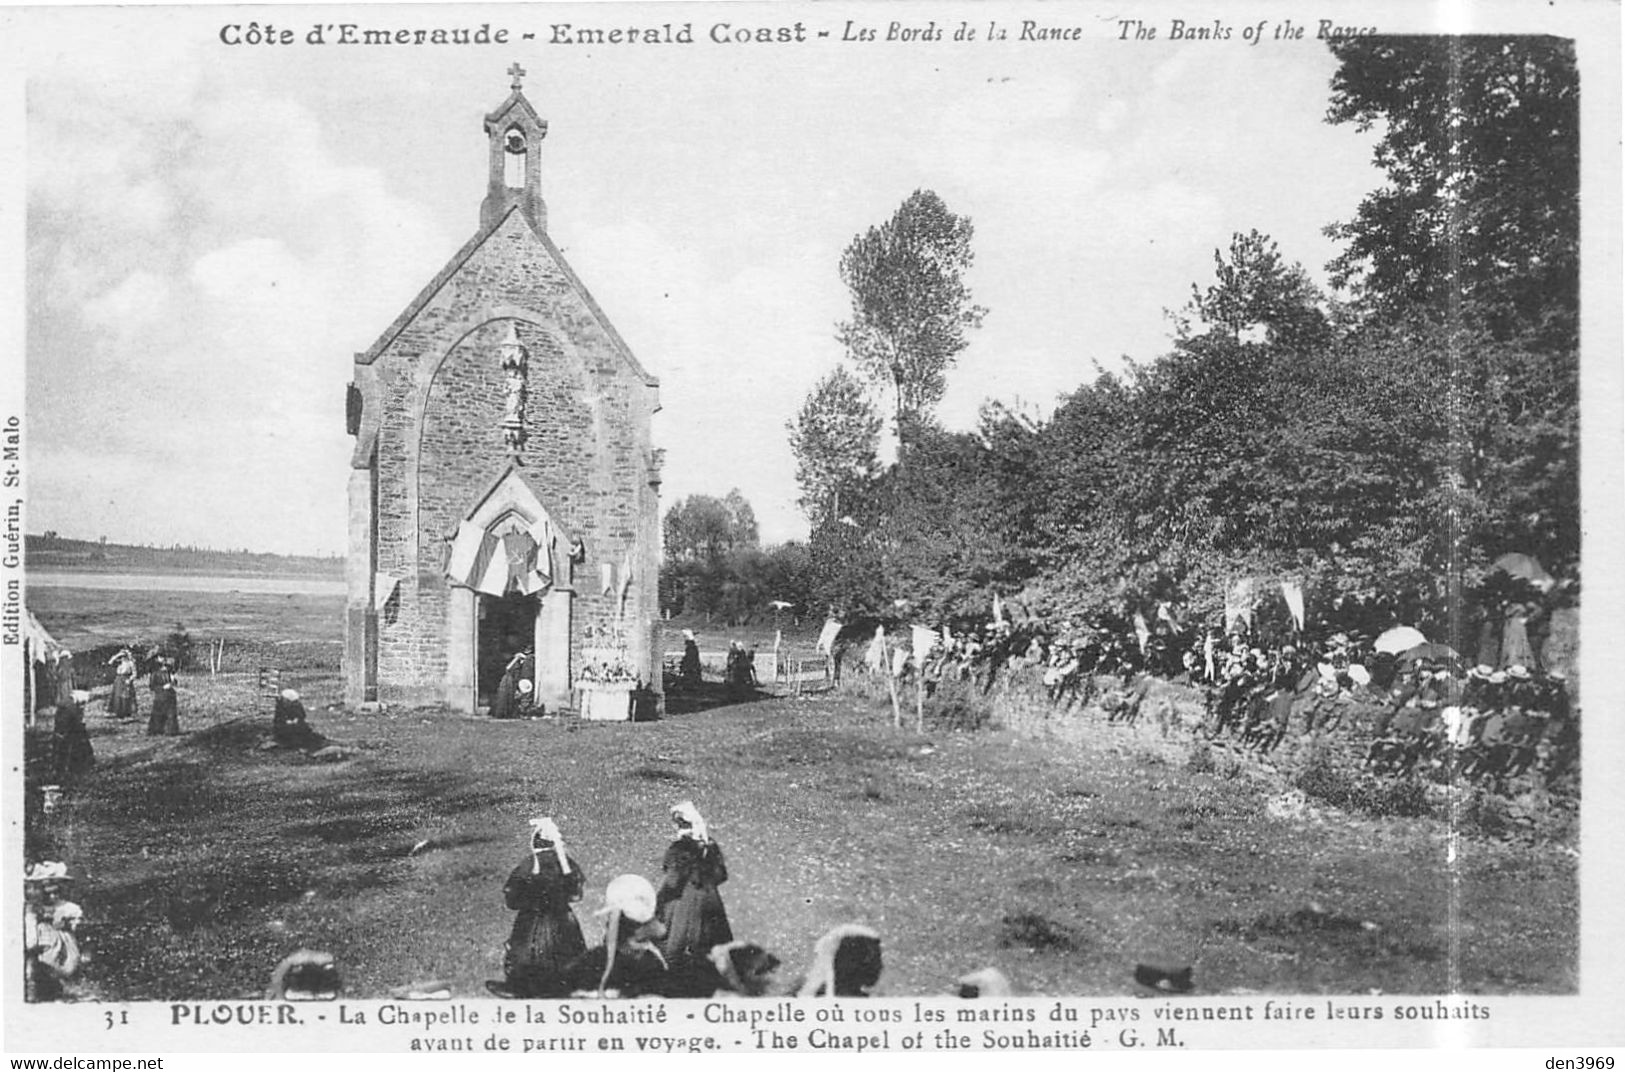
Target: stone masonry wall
<point>586,454</point>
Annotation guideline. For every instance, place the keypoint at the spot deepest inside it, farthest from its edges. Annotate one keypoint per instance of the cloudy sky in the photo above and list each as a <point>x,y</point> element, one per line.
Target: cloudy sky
<point>214,231</point>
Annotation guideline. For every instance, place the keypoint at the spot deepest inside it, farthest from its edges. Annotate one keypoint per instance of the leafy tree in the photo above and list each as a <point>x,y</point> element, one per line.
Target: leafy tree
<point>1480,143</point>
<point>848,568</point>
<point>1255,289</point>
<point>835,438</point>
<point>705,537</point>
<point>957,522</point>
<point>1382,453</point>
<point>910,305</point>
<point>703,528</point>
<point>741,521</point>
<point>787,577</point>
<point>1474,243</point>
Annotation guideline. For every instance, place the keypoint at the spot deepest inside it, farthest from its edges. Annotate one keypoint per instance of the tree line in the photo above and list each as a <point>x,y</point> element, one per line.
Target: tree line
<point>1381,443</point>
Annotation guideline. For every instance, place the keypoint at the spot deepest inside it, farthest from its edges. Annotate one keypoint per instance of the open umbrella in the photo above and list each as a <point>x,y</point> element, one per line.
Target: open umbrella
<point>1398,639</point>
<point>1524,567</point>
<point>1439,652</point>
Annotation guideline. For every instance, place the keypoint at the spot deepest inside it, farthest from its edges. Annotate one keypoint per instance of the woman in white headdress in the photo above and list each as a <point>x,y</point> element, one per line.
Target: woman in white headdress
<point>51,952</point>
<point>846,964</point>
<point>290,726</point>
<point>629,964</point>
<point>689,904</point>
<point>546,938</point>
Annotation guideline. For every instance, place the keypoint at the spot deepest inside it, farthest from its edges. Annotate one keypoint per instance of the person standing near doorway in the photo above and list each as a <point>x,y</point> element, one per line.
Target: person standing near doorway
<point>510,698</point>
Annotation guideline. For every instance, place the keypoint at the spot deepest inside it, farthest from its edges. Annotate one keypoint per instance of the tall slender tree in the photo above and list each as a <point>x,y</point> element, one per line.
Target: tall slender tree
<point>911,307</point>
<point>835,438</point>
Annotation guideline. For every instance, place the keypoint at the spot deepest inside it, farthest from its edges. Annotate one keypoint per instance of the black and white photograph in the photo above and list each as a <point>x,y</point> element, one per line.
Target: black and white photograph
<point>852,528</point>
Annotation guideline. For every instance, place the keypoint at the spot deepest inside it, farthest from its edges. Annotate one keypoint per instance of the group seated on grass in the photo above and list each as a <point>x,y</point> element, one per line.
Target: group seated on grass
<point>673,942</point>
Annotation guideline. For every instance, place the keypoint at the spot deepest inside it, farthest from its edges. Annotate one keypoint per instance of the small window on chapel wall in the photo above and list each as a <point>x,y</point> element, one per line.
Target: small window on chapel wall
<point>513,160</point>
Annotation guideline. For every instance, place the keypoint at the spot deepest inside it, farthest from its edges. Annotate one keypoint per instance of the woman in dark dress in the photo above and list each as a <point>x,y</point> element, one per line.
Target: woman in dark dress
<point>165,719</point>
<point>71,753</point>
<point>689,668</point>
<point>290,725</point>
<point>546,939</point>
<point>507,701</point>
<point>121,704</point>
<point>688,902</point>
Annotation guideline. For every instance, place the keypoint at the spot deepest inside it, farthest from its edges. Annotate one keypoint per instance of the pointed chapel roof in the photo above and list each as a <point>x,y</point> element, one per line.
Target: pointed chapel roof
<point>515,102</point>
<point>516,99</point>
<point>461,257</point>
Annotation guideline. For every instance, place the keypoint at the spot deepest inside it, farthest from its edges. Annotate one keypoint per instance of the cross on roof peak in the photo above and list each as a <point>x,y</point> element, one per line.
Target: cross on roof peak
<point>518,73</point>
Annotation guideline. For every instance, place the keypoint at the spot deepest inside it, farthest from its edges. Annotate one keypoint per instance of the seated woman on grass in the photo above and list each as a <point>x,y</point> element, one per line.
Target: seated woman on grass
<point>289,725</point>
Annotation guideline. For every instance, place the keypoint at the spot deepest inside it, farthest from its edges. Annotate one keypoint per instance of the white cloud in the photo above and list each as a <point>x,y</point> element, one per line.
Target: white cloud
<point>139,300</point>
<point>247,271</point>
<point>227,315</point>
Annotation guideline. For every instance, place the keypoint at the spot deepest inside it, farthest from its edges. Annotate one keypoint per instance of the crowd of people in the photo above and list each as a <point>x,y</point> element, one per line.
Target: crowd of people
<point>1419,709</point>
<point>71,743</point>
<point>1485,725</point>
<point>1416,711</point>
<point>51,952</point>
<point>670,941</point>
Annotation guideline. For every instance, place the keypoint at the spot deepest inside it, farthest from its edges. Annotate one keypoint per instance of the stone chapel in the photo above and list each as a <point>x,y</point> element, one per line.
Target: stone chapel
<point>504,489</point>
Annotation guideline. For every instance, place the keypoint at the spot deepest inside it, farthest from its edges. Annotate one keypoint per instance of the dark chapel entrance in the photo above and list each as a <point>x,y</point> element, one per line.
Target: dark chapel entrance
<point>507,626</point>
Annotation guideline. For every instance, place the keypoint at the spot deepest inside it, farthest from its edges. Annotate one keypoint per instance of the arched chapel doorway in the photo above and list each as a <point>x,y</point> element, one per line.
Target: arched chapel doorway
<point>509,574</point>
<point>506,627</point>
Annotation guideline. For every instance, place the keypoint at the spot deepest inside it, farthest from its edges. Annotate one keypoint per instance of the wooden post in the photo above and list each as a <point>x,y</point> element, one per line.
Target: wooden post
<point>33,685</point>
<point>891,684</point>
<point>270,682</point>
<point>919,700</point>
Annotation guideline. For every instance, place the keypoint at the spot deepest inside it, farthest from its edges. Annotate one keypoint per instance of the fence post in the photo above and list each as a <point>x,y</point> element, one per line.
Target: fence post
<point>919,700</point>
<point>270,681</point>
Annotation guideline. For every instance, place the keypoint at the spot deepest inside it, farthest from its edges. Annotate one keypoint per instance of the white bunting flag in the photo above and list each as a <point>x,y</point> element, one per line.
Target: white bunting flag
<point>827,635</point>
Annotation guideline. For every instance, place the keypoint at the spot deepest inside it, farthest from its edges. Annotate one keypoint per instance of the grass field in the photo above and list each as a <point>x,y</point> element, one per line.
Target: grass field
<point>1061,857</point>
<point>96,556</point>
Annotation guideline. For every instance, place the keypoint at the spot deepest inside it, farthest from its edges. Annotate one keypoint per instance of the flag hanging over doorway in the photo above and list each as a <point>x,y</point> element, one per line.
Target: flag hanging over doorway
<point>496,565</point>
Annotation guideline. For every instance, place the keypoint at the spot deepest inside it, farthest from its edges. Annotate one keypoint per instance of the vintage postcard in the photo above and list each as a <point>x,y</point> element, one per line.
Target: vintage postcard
<point>849,528</point>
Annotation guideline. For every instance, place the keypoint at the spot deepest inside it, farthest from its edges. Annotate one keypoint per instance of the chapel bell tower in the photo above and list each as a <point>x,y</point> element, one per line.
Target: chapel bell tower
<point>516,134</point>
<point>505,486</point>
